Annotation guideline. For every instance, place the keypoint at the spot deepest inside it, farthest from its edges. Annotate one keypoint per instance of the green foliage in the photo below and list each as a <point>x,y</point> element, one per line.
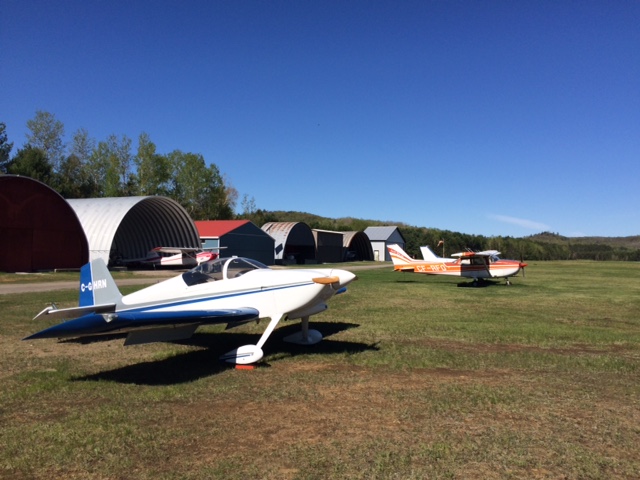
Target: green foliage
<point>47,135</point>
<point>154,170</point>
<point>198,187</point>
<point>73,179</point>
<point>5,148</point>
<point>109,169</point>
<point>32,162</point>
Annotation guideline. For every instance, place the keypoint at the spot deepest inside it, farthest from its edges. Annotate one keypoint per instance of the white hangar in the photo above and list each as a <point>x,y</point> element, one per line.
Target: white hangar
<point>123,228</point>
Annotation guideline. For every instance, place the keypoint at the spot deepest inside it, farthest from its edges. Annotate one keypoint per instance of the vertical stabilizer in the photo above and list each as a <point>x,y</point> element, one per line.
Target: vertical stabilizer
<point>428,254</point>
<point>97,286</point>
<point>399,256</point>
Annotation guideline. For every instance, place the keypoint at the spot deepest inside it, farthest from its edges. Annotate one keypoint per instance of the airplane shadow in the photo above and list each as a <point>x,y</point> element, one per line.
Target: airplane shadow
<point>193,365</point>
<point>482,283</point>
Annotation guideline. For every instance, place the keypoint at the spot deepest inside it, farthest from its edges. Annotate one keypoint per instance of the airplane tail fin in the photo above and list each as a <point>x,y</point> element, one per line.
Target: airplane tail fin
<point>398,256</point>
<point>97,286</point>
<point>428,254</point>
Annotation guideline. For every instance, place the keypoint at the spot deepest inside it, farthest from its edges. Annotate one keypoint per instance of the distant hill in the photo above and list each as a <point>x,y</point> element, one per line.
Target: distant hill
<point>541,246</point>
<point>627,242</point>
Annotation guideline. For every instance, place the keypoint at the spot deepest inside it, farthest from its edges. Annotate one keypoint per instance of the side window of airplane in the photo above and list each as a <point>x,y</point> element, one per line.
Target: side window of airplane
<point>239,266</point>
<point>203,273</point>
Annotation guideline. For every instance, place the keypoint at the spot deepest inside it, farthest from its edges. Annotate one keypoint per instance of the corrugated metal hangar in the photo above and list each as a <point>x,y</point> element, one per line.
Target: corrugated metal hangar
<point>120,229</point>
<point>294,242</point>
<point>237,237</point>
<point>40,231</point>
<point>328,246</point>
<point>43,231</point>
<point>357,246</point>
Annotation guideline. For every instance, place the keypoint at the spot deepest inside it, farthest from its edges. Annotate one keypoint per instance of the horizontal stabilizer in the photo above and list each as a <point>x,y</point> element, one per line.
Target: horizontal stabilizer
<point>75,312</point>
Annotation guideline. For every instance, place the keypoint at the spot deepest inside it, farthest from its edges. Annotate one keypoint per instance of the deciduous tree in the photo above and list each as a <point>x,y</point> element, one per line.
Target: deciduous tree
<point>198,188</point>
<point>47,135</point>
<point>153,170</point>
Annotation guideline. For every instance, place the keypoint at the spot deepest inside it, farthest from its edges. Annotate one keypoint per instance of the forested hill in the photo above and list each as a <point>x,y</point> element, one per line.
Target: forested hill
<point>542,246</point>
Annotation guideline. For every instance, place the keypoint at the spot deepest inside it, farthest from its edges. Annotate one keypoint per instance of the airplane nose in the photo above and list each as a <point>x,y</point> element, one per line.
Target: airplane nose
<point>345,278</point>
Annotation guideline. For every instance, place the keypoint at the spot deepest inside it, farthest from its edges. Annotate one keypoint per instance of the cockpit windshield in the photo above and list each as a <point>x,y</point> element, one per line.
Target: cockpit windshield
<point>221,269</point>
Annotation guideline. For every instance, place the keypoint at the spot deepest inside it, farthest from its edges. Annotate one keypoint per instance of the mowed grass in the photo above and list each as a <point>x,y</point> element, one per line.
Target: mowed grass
<point>417,377</point>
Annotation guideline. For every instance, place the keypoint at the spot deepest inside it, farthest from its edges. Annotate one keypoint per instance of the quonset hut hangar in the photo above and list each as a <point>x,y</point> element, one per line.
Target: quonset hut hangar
<point>296,242</point>
<point>121,229</point>
<point>43,231</point>
<point>39,230</point>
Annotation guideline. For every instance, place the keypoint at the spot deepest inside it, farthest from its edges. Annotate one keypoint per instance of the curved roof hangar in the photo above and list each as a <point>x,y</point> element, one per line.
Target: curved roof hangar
<point>294,241</point>
<point>357,246</point>
<point>127,228</point>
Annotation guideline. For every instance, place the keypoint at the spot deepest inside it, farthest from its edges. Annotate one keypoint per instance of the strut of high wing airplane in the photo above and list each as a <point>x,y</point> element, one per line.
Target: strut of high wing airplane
<point>475,265</point>
<point>232,290</point>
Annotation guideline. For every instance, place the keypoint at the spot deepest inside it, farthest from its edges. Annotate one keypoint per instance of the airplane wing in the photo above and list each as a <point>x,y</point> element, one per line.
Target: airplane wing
<point>488,253</point>
<point>145,326</point>
<point>175,250</point>
<point>485,253</point>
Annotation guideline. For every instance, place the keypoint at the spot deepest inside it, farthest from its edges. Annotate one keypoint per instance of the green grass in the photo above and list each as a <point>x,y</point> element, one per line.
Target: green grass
<point>416,378</point>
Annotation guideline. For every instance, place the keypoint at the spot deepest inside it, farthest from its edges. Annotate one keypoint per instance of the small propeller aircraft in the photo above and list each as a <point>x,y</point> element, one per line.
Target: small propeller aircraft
<point>475,265</point>
<point>232,290</point>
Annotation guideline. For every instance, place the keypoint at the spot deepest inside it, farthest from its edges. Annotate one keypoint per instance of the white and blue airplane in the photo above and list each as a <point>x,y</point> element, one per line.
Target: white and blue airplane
<point>232,290</point>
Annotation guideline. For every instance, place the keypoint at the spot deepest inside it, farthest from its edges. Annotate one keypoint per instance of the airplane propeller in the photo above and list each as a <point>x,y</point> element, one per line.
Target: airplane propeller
<point>522,265</point>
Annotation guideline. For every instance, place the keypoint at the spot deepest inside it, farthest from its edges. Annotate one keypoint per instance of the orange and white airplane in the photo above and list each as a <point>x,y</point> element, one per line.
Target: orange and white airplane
<point>475,265</point>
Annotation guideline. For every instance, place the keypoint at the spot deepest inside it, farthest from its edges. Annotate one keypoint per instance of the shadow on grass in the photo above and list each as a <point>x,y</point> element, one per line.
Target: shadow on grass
<point>481,283</point>
<point>193,365</point>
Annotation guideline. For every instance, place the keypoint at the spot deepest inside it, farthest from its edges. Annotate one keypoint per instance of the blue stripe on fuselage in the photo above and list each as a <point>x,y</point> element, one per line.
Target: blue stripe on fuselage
<point>153,306</point>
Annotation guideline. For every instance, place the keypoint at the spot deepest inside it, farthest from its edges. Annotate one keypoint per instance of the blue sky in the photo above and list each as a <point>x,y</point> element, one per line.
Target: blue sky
<point>483,117</point>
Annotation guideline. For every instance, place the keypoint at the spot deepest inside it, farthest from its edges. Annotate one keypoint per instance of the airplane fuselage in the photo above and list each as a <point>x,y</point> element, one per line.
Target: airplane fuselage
<point>271,292</point>
<point>501,268</point>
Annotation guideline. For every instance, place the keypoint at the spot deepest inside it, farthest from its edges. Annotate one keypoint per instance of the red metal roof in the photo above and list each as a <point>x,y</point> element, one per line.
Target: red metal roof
<point>217,228</point>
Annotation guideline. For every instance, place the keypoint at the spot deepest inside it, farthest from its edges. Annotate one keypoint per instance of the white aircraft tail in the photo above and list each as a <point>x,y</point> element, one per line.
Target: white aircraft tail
<point>428,254</point>
<point>398,256</point>
<point>97,286</point>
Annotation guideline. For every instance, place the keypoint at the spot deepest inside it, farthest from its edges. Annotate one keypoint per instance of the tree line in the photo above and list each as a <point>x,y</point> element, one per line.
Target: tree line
<point>542,246</point>
<point>86,168</point>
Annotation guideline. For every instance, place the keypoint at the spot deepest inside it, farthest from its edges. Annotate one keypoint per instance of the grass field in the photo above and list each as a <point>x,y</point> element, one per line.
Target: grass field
<point>417,378</point>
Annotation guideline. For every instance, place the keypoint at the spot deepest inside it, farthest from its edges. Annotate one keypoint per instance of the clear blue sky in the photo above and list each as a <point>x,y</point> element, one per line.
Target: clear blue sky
<point>483,117</point>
